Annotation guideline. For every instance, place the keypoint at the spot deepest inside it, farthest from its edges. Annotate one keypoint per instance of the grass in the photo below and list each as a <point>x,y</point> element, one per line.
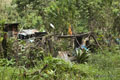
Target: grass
<point>100,67</point>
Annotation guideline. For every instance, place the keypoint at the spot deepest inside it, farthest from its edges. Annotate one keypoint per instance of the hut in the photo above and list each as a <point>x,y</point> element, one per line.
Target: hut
<point>11,29</point>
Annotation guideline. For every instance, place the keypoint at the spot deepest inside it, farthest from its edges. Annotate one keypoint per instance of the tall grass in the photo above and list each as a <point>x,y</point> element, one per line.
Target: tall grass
<point>99,67</point>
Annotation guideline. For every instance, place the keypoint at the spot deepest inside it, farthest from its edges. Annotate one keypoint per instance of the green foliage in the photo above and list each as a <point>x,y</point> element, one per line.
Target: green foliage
<point>83,15</point>
<point>101,16</point>
<point>99,66</point>
<point>61,14</point>
<point>108,62</point>
<point>5,62</point>
<point>32,21</point>
<point>2,22</point>
<point>82,56</point>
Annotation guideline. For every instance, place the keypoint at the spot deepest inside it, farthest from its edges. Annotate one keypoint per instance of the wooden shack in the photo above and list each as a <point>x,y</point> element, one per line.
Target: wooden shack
<point>11,29</point>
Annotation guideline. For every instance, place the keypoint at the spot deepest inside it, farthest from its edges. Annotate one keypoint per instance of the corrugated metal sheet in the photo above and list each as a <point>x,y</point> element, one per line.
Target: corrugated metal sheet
<point>28,32</point>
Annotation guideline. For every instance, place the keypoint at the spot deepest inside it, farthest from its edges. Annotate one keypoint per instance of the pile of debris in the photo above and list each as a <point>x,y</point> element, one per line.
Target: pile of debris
<point>78,41</point>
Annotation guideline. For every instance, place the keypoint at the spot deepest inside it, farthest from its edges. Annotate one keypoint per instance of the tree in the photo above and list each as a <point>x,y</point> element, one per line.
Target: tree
<point>83,15</point>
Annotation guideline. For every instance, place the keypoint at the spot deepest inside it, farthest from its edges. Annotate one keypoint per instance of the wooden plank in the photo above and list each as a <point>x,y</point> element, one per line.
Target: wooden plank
<point>73,36</point>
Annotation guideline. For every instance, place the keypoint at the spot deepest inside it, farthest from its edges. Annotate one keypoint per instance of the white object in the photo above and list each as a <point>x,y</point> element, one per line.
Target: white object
<point>52,25</point>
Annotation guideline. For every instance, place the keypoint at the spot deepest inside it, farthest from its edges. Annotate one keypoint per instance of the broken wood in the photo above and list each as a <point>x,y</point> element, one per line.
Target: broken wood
<point>96,42</point>
<point>73,36</point>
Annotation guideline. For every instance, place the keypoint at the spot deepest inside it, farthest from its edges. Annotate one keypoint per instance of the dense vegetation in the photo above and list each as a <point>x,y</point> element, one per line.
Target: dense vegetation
<point>99,16</point>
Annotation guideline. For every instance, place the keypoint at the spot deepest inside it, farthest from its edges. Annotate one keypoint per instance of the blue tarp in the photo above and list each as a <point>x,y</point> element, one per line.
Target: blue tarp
<point>84,47</point>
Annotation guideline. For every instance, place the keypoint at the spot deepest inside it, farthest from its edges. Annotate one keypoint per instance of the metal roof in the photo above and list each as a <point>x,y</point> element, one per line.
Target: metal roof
<point>28,31</point>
